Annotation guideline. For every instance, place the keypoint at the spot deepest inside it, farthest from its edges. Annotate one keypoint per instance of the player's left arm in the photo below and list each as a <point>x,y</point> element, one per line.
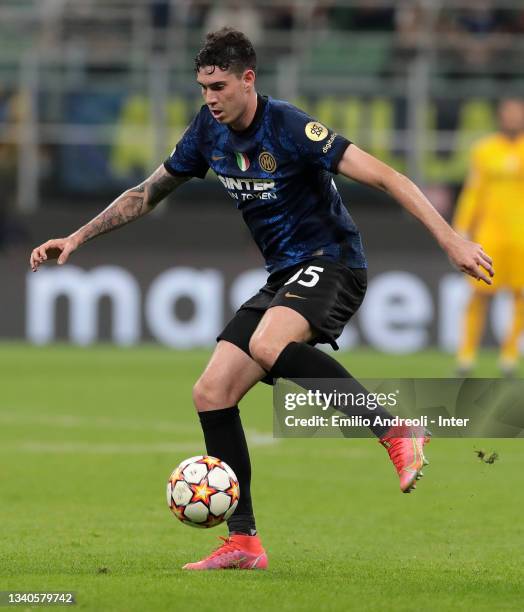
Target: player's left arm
<point>467,256</point>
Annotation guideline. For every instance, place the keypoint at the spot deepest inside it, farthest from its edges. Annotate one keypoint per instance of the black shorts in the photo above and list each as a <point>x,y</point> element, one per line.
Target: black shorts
<point>326,293</point>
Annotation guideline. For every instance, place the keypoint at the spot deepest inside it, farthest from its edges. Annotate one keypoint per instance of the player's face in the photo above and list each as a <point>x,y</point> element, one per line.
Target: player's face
<point>511,116</point>
<point>226,93</point>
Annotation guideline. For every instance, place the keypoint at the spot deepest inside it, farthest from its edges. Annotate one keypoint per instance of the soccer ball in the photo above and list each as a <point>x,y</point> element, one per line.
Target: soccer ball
<point>202,492</point>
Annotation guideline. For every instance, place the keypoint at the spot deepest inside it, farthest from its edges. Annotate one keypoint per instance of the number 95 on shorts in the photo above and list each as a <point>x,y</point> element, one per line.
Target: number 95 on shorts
<point>323,291</point>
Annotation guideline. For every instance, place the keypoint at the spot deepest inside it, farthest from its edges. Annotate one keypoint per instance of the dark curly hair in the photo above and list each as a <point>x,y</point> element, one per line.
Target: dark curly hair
<point>228,49</point>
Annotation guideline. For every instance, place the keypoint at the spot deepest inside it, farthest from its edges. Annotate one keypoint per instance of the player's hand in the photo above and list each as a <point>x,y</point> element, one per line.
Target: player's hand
<point>469,257</point>
<point>57,248</point>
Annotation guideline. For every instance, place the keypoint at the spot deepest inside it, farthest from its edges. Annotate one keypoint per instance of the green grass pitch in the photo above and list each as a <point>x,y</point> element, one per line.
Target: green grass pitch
<point>88,438</point>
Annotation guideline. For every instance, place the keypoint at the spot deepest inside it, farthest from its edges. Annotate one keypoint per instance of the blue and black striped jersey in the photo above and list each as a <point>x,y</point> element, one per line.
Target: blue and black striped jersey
<point>278,171</point>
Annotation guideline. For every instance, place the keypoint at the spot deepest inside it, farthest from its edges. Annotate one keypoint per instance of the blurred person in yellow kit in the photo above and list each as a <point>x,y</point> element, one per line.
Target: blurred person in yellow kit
<point>490,210</point>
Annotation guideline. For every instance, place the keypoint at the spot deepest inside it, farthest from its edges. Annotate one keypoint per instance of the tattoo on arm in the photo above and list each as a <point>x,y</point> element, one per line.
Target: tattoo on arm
<point>132,204</point>
<point>160,185</point>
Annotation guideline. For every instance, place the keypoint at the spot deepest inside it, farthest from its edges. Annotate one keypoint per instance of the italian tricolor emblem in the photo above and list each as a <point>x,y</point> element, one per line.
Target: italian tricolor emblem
<point>242,161</point>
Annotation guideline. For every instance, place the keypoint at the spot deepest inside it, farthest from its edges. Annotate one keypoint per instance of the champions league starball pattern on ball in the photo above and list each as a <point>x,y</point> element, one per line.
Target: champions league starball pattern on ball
<point>203,491</point>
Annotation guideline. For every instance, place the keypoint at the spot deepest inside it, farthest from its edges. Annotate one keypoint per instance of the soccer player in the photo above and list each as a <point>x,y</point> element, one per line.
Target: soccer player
<point>275,162</point>
<point>491,210</point>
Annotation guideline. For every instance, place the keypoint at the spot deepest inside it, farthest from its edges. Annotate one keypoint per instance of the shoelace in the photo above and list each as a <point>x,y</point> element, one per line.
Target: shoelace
<point>228,546</point>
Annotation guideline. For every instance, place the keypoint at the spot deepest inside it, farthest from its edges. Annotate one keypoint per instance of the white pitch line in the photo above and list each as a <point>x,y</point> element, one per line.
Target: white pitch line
<point>109,448</point>
<point>257,438</point>
<point>112,448</point>
<point>73,421</point>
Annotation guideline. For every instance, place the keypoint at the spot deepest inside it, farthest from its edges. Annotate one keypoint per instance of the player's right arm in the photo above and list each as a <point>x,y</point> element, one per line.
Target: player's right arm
<point>130,205</point>
<point>468,205</point>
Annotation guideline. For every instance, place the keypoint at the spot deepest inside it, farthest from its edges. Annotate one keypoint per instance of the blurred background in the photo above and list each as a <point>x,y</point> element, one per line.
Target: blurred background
<point>94,94</point>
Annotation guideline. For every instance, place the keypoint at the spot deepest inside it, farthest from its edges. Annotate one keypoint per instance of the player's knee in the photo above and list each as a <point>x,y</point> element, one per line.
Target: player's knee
<point>210,395</point>
<point>205,395</point>
<point>264,352</point>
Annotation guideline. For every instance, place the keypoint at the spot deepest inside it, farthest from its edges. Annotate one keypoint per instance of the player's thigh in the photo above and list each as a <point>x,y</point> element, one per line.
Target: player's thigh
<point>313,305</point>
<point>515,268</point>
<point>228,376</point>
<point>279,326</point>
<point>286,319</point>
